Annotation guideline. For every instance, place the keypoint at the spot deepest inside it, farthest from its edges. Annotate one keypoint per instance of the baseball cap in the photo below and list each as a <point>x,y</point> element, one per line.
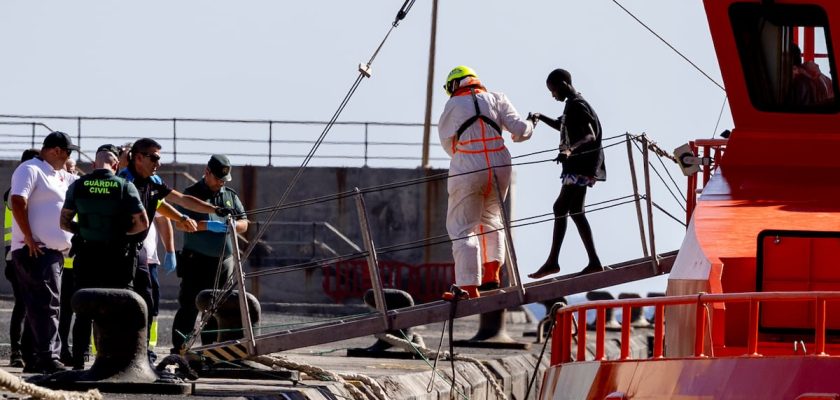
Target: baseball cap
<point>59,139</point>
<point>109,148</point>
<point>219,166</point>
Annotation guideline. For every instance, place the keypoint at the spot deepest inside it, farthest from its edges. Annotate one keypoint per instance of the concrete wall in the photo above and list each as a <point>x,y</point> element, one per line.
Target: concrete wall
<point>396,216</point>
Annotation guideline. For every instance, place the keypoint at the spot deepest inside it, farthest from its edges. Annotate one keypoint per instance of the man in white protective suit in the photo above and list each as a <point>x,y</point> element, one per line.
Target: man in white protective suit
<point>470,131</point>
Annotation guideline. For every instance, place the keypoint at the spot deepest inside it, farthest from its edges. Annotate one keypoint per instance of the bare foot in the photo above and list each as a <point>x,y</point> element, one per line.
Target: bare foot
<point>591,268</point>
<point>547,269</point>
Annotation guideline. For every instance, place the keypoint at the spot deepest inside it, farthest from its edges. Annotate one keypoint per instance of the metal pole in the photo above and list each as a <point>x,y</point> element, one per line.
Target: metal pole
<point>636,196</point>
<point>174,141</point>
<point>33,134</point>
<point>79,139</point>
<point>430,83</point>
<point>513,267</point>
<point>373,263</point>
<point>366,143</point>
<point>654,261</point>
<point>270,140</point>
<point>240,285</point>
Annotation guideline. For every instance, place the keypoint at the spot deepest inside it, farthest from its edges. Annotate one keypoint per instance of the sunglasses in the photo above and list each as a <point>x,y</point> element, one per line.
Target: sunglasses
<point>152,157</point>
<point>69,151</point>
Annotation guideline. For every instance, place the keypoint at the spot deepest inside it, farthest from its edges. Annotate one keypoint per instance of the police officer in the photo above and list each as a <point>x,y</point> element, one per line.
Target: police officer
<point>200,255</point>
<point>143,162</point>
<point>110,217</point>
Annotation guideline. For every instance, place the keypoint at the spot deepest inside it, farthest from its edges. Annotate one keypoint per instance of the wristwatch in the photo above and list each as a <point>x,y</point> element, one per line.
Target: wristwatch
<point>184,217</point>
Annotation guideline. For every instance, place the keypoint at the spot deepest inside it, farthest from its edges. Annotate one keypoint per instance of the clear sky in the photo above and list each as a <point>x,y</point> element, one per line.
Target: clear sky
<point>288,60</point>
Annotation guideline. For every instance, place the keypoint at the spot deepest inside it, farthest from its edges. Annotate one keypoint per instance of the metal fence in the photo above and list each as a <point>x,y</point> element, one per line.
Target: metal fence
<point>245,141</point>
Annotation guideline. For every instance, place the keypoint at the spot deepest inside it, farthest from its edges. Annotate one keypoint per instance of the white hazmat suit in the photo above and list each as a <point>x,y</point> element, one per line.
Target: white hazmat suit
<point>474,207</point>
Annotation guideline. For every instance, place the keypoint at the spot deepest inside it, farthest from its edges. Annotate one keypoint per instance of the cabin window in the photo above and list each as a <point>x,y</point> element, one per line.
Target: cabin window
<point>787,57</point>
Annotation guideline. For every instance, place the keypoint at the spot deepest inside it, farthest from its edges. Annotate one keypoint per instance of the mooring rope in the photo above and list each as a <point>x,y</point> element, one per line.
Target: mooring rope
<point>14,384</point>
<point>428,353</point>
<point>324,375</point>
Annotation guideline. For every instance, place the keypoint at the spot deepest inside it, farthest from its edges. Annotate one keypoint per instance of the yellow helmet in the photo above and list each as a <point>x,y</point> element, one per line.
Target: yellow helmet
<point>456,74</point>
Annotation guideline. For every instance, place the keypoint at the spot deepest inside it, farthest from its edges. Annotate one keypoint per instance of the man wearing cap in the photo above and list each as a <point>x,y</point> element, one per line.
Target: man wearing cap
<point>39,245</point>
<point>110,216</point>
<point>199,258</point>
<point>143,162</point>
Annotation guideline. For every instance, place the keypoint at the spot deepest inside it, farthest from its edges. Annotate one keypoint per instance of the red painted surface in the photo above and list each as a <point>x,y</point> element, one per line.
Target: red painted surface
<point>779,172</point>
<point>718,378</point>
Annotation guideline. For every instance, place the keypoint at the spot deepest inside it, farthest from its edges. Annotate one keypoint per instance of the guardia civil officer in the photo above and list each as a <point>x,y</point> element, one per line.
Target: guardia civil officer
<point>110,217</point>
<point>200,255</point>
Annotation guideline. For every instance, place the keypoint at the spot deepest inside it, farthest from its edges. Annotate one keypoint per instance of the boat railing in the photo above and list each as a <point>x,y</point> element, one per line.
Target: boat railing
<point>709,152</point>
<point>571,322</point>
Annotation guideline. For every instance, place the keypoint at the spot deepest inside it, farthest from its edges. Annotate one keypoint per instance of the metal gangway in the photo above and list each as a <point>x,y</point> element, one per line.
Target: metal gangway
<point>651,264</point>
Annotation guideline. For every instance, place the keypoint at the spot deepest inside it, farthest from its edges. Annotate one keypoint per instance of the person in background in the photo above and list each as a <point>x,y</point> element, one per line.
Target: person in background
<point>208,249</point>
<point>39,245</point>
<point>110,216</point>
<point>68,288</point>
<point>18,311</point>
<point>583,165</point>
<point>470,130</point>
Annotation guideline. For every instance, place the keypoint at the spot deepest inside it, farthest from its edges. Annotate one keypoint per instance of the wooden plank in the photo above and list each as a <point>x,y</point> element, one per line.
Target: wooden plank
<point>438,311</point>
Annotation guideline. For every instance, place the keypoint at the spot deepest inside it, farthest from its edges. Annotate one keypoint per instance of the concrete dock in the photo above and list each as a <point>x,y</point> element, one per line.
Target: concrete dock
<point>400,378</point>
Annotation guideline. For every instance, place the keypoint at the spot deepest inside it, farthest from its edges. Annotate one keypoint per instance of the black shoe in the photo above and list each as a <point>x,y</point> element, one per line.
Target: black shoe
<point>16,360</point>
<point>152,357</point>
<point>66,358</point>
<point>50,366</point>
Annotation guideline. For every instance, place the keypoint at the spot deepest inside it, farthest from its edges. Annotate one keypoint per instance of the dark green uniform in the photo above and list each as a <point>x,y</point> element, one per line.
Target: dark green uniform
<point>199,259</point>
<point>104,204</point>
<point>105,257</point>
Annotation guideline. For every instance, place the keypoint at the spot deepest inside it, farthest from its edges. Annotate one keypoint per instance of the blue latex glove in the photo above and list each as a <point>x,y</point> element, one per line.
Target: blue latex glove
<point>169,263</point>
<point>216,226</point>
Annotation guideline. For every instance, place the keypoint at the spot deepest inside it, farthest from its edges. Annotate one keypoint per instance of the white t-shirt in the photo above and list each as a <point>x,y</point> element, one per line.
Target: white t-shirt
<point>150,244</point>
<point>44,189</point>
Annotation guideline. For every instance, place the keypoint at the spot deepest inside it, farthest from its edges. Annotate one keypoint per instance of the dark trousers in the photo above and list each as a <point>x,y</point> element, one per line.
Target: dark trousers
<point>68,288</point>
<point>197,273</point>
<point>143,285</point>
<point>39,279</point>
<point>102,266</point>
<point>18,313</point>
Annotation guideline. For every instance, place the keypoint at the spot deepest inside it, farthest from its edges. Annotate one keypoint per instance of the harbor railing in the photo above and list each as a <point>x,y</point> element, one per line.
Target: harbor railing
<point>245,141</point>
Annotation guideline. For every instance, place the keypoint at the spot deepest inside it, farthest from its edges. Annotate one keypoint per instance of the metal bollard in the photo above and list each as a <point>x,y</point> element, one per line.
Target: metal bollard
<point>394,298</point>
<point>611,323</point>
<point>227,314</point>
<point>121,364</point>
<point>637,315</point>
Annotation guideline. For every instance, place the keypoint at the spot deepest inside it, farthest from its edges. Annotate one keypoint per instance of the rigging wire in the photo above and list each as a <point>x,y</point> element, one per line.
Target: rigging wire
<point>411,182</point>
<point>720,115</point>
<point>669,45</point>
<point>667,186</point>
<point>364,71</point>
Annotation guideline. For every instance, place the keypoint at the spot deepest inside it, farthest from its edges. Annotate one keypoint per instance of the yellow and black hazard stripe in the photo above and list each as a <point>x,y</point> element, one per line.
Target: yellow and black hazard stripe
<point>231,352</point>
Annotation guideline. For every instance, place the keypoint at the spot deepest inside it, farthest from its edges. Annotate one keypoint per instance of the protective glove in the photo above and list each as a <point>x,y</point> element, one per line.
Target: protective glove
<point>216,226</point>
<point>223,212</point>
<point>534,118</point>
<point>169,263</point>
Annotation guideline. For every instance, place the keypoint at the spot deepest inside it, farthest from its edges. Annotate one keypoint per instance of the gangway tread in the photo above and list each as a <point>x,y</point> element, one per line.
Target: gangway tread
<point>438,311</point>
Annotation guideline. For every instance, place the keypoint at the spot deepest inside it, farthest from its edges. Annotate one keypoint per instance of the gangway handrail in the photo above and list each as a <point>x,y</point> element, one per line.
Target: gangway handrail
<point>562,342</point>
<point>438,311</point>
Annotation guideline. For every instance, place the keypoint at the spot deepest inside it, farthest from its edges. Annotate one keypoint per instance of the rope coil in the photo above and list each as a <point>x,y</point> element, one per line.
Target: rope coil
<point>14,384</point>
